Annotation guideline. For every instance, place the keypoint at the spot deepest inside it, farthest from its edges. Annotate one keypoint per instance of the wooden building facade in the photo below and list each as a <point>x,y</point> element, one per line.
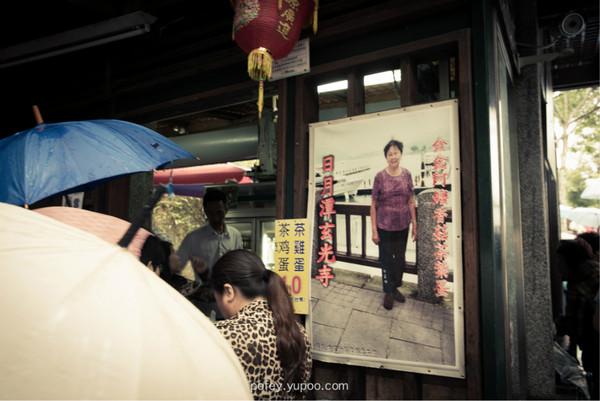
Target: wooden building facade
<point>188,72</point>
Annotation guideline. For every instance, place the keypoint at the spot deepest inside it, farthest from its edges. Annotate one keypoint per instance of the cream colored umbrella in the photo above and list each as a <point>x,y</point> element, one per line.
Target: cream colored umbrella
<point>586,216</point>
<point>84,319</point>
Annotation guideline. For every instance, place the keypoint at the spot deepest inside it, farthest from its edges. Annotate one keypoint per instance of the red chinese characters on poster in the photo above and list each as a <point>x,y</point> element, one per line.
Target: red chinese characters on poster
<point>440,235</point>
<point>326,211</point>
<point>347,320</point>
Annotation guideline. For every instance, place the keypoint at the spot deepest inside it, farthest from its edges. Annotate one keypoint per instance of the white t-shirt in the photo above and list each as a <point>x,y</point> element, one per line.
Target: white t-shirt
<point>205,243</point>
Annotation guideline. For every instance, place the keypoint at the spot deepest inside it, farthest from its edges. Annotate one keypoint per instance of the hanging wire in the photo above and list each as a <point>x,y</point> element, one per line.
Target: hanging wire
<point>542,47</point>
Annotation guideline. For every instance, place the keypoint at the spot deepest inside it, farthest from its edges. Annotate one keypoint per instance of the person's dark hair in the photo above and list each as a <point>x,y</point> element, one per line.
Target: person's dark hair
<point>575,253</point>
<point>215,195</point>
<point>395,143</point>
<point>246,271</point>
<point>157,251</point>
<point>591,238</point>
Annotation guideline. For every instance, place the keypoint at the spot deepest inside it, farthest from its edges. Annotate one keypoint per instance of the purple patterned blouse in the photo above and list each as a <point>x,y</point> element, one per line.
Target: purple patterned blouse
<point>391,194</point>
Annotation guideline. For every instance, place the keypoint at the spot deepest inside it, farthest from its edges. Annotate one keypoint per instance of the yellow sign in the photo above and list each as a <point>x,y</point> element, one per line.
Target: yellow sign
<point>291,259</point>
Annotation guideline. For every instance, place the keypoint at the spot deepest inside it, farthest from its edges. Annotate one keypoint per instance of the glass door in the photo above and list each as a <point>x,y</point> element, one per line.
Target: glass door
<point>246,228</point>
<point>266,241</point>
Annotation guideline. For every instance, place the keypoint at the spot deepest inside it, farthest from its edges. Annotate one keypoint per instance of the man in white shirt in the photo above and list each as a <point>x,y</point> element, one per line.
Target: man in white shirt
<point>205,245</point>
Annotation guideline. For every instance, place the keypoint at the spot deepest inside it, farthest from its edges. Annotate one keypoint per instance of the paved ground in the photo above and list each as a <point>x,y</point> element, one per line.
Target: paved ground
<point>349,318</point>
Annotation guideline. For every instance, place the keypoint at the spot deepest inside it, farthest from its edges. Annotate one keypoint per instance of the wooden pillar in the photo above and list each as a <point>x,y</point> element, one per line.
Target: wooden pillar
<point>307,111</point>
<point>409,88</point>
<point>282,162</point>
<point>117,198</point>
<point>470,221</point>
<point>356,94</point>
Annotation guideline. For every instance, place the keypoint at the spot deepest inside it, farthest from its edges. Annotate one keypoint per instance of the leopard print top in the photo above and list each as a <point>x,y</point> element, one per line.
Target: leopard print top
<point>251,333</point>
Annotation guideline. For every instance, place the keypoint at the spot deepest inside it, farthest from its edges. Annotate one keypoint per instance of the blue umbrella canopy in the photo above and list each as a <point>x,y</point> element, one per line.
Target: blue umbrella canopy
<point>52,159</point>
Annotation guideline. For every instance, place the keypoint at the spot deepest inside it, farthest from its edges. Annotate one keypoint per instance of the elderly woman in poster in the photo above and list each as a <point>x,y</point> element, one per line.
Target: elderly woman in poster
<point>392,212</point>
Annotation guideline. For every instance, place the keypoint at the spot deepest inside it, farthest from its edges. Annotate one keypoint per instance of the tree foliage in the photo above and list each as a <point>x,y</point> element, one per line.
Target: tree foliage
<point>174,218</point>
<point>577,118</point>
<point>575,185</point>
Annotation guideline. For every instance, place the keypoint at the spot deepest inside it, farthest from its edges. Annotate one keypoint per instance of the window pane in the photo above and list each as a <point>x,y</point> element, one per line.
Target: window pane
<point>382,91</point>
<point>333,100</point>
<point>437,80</point>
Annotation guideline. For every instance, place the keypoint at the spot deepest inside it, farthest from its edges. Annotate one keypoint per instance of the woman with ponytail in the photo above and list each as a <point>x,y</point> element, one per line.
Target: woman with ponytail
<point>261,326</point>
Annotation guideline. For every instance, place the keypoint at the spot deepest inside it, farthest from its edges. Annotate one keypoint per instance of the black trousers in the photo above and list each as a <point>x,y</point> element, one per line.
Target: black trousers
<point>392,256</point>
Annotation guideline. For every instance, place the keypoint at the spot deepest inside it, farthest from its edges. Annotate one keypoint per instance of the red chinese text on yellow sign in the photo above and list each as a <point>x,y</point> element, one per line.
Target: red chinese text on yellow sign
<point>291,259</point>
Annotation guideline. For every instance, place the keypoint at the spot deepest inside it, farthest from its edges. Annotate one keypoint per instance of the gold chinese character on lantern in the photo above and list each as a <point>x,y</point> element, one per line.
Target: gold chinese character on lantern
<point>254,26</point>
<point>284,28</point>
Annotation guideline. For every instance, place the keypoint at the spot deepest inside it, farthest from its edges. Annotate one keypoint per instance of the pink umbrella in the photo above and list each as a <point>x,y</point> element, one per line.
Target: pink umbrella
<point>109,228</point>
<point>211,174</point>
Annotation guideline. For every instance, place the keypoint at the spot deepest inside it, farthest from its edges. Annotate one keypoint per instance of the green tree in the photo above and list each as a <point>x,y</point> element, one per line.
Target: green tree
<point>577,118</point>
<point>174,218</point>
<point>575,185</point>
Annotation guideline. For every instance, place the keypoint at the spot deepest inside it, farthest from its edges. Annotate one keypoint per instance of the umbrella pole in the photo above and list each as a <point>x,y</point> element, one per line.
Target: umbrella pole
<point>38,115</point>
<point>67,200</point>
<point>141,215</point>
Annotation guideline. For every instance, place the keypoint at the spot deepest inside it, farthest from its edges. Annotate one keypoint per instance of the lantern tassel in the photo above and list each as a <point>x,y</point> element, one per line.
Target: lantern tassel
<point>233,25</point>
<point>260,63</point>
<point>316,17</point>
<point>261,86</point>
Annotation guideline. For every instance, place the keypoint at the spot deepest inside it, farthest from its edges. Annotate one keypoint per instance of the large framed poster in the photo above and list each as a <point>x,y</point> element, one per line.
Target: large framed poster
<point>355,263</point>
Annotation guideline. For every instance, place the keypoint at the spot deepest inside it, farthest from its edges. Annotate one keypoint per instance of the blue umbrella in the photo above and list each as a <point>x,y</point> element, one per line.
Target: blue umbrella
<point>52,159</point>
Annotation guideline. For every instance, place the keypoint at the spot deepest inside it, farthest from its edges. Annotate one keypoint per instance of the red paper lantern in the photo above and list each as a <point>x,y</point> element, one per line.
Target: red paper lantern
<point>268,30</point>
